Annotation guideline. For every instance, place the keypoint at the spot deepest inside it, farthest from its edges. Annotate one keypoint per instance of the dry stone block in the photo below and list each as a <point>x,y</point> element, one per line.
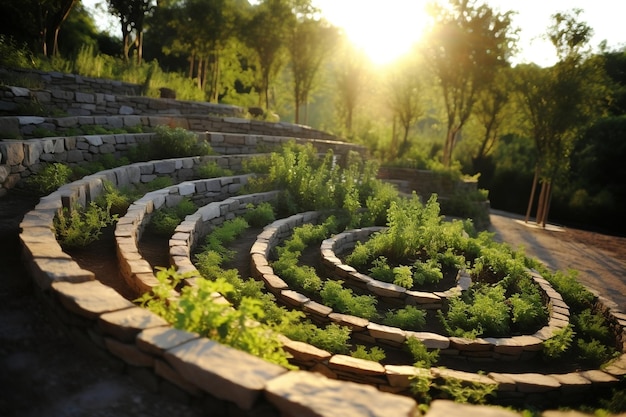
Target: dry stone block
<point>90,299</point>
<point>124,325</point>
<point>129,353</point>
<point>241,382</point>
<point>292,394</point>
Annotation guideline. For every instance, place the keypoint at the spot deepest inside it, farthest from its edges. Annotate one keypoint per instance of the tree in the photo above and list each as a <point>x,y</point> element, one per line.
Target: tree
<point>350,76</point>
<point>266,33</point>
<point>132,15</point>
<point>310,42</point>
<point>465,46</point>
<point>404,90</point>
<point>490,112</point>
<point>559,102</point>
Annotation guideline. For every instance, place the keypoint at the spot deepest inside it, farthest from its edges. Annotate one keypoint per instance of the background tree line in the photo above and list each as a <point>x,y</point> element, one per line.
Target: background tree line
<point>545,140</point>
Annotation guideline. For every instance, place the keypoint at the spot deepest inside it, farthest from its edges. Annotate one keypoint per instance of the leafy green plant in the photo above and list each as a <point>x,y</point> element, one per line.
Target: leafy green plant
<point>480,311</point>
<point>381,270</point>
<point>211,169</point>
<point>50,178</point>
<point>408,318</point>
<point>471,392</point>
<point>165,220</point>
<point>375,354</point>
<point>428,272</point>
<point>196,310</point>
<point>344,301</point>
<point>591,326</point>
<point>78,226</point>
<point>556,346</point>
<point>403,276</point>
<point>574,293</point>
<point>261,215</point>
<point>332,338</point>
<point>421,356</point>
<point>594,352</point>
<point>169,143</point>
<point>223,235</point>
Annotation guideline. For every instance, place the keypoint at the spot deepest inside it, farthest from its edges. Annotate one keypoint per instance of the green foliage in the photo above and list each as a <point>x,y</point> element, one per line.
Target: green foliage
<point>422,357</point>
<point>556,346</point>
<point>428,272</point>
<point>375,354</point>
<point>14,56</point>
<point>223,235</point>
<point>616,403</point>
<point>50,178</point>
<point>114,198</point>
<point>211,169</point>
<point>165,220</point>
<point>408,318</point>
<point>344,301</point>
<point>591,326</point>
<point>313,183</point>
<point>381,270</point>
<point>481,311</point>
<point>332,338</point>
<point>261,215</point>
<point>467,391</point>
<point>170,143</point>
<point>78,226</point>
<point>594,352</point>
<point>403,276</point>
<point>574,293</point>
<point>197,310</point>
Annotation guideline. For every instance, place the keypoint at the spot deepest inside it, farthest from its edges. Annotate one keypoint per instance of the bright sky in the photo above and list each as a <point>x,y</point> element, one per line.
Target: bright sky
<point>386,29</point>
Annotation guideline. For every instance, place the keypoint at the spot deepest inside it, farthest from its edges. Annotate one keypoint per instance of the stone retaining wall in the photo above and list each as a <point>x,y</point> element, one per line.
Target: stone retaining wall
<point>73,82</point>
<point>21,158</point>
<point>14,100</point>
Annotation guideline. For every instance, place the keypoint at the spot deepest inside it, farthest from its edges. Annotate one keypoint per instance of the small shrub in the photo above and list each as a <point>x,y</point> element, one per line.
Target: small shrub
<point>223,235</point>
<point>403,276</point>
<point>556,346</point>
<point>261,215</point>
<point>574,293</point>
<point>112,197</point>
<point>344,301</point>
<point>381,270</point>
<point>467,391</point>
<point>409,318</point>
<point>49,178</point>
<point>422,357</point>
<point>165,220</point>
<point>78,227</point>
<point>594,352</point>
<point>375,354</point>
<point>176,143</point>
<point>332,338</point>
<point>212,170</point>
<point>591,326</point>
<point>428,272</point>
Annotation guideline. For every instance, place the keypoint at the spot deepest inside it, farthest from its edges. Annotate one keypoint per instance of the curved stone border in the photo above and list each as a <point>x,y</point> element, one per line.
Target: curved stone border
<point>174,359</point>
<point>136,271</point>
<point>396,378</point>
<point>506,348</point>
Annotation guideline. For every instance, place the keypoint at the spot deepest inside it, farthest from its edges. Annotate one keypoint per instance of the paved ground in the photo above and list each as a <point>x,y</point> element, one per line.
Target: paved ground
<point>600,259</point>
<point>43,374</point>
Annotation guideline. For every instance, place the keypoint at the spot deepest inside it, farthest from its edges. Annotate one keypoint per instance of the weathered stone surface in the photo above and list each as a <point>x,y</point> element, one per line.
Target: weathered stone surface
<point>124,325</point>
<point>444,408</point>
<point>303,351</point>
<point>157,340</point>
<point>241,382</point>
<point>598,377</point>
<point>379,331</point>
<point>361,366</point>
<point>353,322</point>
<point>470,345</point>
<point>572,382</point>
<point>384,289</point>
<point>47,271</point>
<point>401,375</point>
<point>293,297</point>
<point>533,382</point>
<point>292,394</point>
<point>90,299</point>
<point>317,308</point>
<point>129,353</point>
<point>430,340</point>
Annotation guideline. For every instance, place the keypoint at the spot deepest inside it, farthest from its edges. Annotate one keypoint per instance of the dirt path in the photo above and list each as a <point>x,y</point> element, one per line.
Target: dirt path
<point>600,259</point>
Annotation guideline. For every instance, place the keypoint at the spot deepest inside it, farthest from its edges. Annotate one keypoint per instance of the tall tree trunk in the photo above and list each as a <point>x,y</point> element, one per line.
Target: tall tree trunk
<point>199,77</point>
<point>139,44</point>
<point>546,210</point>
<point>532,194</point>
<point>541,203</point>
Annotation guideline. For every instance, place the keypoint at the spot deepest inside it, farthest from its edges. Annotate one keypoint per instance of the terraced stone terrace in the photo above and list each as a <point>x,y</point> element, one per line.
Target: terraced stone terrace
<point>100,311</point>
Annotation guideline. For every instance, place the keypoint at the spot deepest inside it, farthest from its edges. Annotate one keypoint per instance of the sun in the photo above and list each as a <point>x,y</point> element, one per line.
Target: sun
<point>384,31</point>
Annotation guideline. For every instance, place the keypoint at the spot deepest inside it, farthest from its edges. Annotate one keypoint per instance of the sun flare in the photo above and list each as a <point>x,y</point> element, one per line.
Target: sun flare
<point>384,31</point>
